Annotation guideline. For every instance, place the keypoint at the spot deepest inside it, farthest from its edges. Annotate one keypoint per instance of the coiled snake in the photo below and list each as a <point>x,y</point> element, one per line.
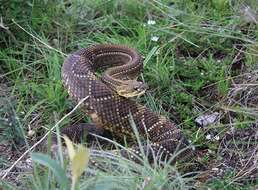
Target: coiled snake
<point>110,104</point>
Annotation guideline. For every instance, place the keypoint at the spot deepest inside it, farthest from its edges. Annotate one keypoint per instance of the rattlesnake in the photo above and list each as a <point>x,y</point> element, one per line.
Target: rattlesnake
<point>110,104</point>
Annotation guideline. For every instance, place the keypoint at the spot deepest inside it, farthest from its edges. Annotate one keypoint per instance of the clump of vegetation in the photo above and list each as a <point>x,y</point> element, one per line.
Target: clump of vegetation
<point>200,58</point>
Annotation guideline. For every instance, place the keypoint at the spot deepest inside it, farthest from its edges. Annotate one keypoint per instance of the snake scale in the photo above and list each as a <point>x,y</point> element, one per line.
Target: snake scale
<point>110,104</point>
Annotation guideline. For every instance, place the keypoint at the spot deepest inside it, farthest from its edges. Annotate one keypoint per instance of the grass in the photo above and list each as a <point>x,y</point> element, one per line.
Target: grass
<point>199,58</point>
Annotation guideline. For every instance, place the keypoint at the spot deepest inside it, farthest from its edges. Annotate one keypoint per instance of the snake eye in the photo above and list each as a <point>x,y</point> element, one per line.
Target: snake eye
<point>136,88</point>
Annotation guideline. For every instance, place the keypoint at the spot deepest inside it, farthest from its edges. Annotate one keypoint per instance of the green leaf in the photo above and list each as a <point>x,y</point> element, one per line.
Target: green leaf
<point>52,165</point>
<point>150,54</point>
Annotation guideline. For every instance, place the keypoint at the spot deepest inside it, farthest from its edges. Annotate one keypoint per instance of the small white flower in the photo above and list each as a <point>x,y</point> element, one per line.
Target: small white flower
<point>154,38</point>
<point>202,73</point>
<point>151,22</point>
<point>208,137</point>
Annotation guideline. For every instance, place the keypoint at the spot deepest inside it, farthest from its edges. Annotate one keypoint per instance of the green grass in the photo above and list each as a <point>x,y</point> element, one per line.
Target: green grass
<point>202,50</point>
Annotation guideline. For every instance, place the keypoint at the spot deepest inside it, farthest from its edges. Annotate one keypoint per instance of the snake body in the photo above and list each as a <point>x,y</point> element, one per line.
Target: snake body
<point>111,111</point>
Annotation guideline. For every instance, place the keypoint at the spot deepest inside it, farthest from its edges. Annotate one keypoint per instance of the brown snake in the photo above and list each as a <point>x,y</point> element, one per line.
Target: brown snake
<point>110,105</point>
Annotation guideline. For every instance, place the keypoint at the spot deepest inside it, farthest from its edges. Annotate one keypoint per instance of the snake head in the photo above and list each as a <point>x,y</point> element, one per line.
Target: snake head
<point>131,88</point>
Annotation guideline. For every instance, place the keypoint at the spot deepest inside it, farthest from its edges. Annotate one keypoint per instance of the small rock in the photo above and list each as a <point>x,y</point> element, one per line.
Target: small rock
<point>31,133</point>
<point>248,14</point>
<point>207,119</point>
